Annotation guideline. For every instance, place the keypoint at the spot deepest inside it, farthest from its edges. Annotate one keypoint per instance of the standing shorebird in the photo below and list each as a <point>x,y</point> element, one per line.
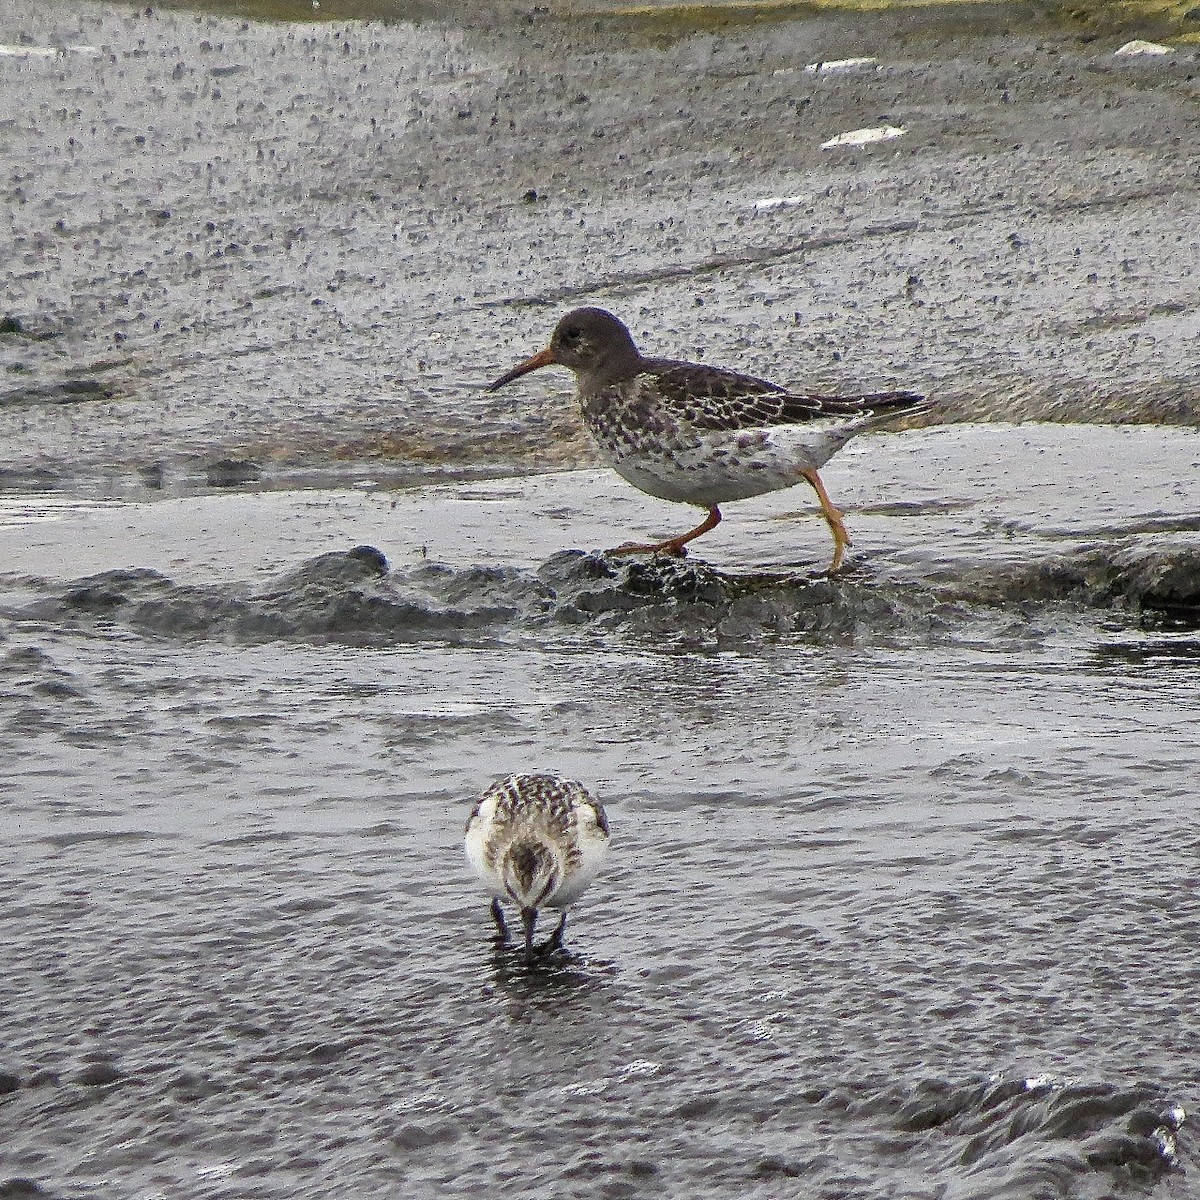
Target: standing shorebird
<point>702,435</point>
<point>536,840</point>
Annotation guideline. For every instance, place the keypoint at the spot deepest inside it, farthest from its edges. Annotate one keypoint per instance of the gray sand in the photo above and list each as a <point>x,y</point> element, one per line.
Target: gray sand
<point>297,243</point>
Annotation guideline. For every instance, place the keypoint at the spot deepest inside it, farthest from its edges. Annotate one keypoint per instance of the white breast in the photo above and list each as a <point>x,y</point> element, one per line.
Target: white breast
<point>592,843</point>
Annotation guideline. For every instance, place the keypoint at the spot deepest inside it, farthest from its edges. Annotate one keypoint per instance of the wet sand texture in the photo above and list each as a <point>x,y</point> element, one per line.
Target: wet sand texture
<point>283,242</point>
<point>902,863</point>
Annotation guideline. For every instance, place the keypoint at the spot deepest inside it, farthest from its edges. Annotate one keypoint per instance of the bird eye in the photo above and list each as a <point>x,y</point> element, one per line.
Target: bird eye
<point>573,334</point>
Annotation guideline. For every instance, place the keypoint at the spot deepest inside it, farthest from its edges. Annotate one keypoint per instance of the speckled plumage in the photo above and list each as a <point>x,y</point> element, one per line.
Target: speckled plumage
<point>536,841</point>
<point>703,435</point>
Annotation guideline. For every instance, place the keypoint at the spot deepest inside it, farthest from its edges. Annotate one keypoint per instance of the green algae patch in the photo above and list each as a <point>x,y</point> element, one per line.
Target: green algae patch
<point>1175,19</point>
<point>1178,20</point>
<point>324,11</point>
<point>733,11</point>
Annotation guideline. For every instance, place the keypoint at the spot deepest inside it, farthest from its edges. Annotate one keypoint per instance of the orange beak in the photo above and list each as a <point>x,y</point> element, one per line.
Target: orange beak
<point>544,358</point>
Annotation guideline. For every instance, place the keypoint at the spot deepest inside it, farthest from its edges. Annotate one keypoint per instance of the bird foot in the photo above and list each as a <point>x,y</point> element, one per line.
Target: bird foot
<point>673,548</point>
<point>839,564</point>
<point>554,941</point>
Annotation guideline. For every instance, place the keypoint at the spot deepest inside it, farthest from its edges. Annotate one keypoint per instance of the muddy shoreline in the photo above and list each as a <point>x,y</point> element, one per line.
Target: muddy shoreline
<point>247,241</point>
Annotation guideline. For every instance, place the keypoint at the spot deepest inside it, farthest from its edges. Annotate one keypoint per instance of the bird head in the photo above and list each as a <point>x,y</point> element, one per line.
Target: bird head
<point>588,340</point>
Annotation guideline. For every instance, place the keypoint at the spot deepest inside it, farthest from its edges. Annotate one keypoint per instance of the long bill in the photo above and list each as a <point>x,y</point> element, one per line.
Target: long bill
<point>544,358</point>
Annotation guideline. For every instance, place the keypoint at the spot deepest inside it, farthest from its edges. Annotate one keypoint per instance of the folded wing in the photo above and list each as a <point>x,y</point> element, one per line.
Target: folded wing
<point>711,398</point>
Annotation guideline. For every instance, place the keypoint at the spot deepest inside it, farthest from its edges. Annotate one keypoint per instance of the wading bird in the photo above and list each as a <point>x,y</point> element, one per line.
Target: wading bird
<point>702,435</point>
<point>536,841</point>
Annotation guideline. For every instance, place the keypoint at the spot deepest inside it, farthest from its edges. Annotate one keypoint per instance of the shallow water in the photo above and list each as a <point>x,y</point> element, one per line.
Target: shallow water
<point>902,900</point>
<point>896,925</point>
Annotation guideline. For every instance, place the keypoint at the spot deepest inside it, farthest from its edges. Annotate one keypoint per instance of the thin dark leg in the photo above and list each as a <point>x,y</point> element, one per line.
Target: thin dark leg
<point>673,545</point>
<point>555,940</point>
<point>529,920</point>
<point>498,917</point>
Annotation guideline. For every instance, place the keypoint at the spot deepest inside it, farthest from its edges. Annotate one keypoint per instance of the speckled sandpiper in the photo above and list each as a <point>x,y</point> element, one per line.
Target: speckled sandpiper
<point>702,435</point>
<point>536,841</point>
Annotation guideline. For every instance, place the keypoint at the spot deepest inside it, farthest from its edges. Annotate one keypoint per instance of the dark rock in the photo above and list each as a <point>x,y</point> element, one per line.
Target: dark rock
<point>103,594</point>
<point>231,472</point>
<point>20,1188</point>
<point>371,559</point>
<point>98,1074</point>
<point>1139,1157</point>
<point>337,568</point>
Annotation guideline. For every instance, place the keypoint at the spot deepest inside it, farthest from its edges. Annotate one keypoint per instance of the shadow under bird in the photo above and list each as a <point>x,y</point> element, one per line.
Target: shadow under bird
<point>536,841</point>
<point>703,435</point>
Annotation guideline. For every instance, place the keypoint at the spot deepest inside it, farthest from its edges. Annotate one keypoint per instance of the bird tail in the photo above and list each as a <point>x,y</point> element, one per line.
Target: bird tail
<point>895,403</point>
<point>879,410</point>
<point>886,408</point>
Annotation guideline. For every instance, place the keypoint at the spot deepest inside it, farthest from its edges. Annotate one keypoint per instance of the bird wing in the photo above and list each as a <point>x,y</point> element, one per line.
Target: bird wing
<point>713,398</point>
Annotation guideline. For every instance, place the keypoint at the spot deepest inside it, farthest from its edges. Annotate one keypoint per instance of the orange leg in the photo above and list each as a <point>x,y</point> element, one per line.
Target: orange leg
<point>841,539</point>
<point>673,545</point>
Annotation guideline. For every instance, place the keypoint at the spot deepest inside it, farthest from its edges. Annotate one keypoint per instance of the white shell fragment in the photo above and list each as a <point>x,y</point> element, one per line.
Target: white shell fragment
<point>839,66</point>
<point>1137,46</point>
<point>863,137</point>
<point>770,202</point>
<point>44,51</point>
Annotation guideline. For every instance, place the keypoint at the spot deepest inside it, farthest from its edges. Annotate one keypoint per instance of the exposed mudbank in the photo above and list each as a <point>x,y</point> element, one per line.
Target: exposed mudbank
<point>353,597</point>
<point>321,248</point>
<point>1141,574</point>
<point>952,527</point>
<point>1128,1134</point>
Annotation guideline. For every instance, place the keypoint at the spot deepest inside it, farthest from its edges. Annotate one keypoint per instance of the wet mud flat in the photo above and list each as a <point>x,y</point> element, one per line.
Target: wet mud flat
<point>903,893</point>
<point>302,245</point>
